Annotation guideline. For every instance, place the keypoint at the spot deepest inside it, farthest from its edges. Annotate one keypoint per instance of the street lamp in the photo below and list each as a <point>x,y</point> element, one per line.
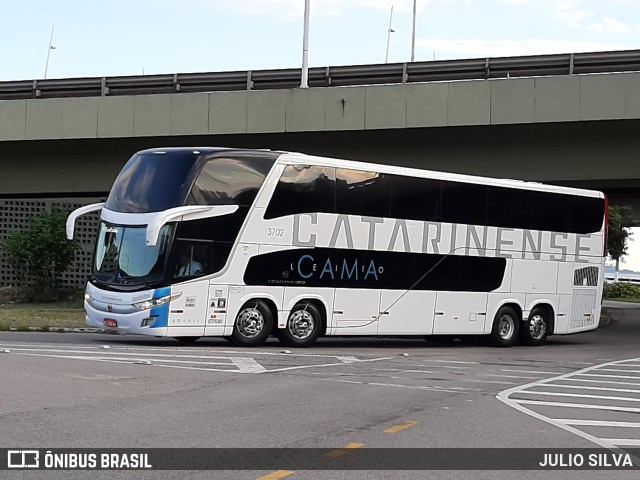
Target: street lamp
<point>413,34</point>
<point>389,32</point>
<point>51,47</point>
<point>305,46</point>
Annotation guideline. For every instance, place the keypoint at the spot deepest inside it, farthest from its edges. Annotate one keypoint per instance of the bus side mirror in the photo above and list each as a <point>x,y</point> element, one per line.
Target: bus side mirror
<point>78,212</point>
<point>189,212</point>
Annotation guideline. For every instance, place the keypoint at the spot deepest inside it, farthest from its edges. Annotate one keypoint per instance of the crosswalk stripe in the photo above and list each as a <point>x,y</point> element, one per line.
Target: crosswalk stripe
<point>578,395</point>
<point>597,423</point>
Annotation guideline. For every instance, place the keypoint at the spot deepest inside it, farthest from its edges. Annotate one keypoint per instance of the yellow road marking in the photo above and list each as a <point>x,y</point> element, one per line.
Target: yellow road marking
<point>344,450</point>
<point>400,427</point>
<point>277,475</point>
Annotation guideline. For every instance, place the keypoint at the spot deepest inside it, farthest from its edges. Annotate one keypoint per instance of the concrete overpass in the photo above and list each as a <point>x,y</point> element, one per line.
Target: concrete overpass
<point>572,129</point>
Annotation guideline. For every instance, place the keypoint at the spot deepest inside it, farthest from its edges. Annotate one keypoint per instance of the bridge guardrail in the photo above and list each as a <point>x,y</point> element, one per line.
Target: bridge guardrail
<point>375,74</point>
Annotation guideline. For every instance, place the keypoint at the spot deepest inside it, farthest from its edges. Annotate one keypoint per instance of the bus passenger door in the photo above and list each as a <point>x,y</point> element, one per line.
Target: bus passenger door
<point>461,313</point>
<point>355,311</point>
<point>405,312</point>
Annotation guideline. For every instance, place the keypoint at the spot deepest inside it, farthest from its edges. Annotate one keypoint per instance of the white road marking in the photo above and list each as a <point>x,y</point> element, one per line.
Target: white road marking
<point>576,405</point>
<point>408,387</point>
<point>527,371</point>
<point>623,441</point>
<point>302,367</point>
<point>454,361</point>
<point>586,380</point>
<point>485,381</point>
<point>538,388</point>
<point>618,370</point>
<point>247,365</point>
<point>504,376</point>
<point>579,395</point>
<point>597,423</point>
<point>608,375</point>
<point>582,387</point>
<point>162,356</point>
<point>348,359</point>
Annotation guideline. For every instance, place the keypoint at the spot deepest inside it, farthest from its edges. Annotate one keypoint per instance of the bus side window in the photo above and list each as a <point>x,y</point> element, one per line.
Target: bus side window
<point>191,258</point>
<point>303,189</point>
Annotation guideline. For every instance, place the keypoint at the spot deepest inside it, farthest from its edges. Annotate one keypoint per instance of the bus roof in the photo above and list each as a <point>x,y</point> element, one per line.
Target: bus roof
<point>304,159</point>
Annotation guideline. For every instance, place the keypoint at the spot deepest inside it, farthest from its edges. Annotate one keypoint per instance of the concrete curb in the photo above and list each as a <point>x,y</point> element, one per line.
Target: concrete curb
<point>59,330</point>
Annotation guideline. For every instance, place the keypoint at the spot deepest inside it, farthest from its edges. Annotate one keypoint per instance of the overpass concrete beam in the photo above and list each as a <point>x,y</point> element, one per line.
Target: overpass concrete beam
<point>228,112</point>
<point>13,120</point>
<point>632,96</point>
<point>266,111</point>
<point>80,118</point>
<point>152,115</point>
<point>116,116</point>
<point>469,103</point>
<point>385,107</point>
<point>44,119</point>
<point>602,97</point>
<point>305,109</point>
<point>557,99</point>
<point>344,108</point>
<point>512,101</point>
<point>190,114</point>
<point>427,105</point>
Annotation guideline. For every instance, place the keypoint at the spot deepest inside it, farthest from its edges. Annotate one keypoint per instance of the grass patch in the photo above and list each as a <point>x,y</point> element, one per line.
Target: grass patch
<point>44,315</point>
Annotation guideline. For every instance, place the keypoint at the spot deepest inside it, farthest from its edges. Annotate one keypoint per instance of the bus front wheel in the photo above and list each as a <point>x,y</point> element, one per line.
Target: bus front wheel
<point>253,324</point>
<point>505,328</point>
<point>303,326</point>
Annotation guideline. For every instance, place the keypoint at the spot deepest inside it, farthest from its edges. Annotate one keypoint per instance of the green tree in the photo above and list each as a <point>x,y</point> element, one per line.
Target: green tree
<point>40,254</point>
<point>620,221</point>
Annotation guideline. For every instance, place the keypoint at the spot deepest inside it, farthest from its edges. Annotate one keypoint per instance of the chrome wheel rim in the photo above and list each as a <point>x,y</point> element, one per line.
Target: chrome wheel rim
<point>537,327</point>
<point>301,324</point>
<point>506,327</point>
<point>250,322</point>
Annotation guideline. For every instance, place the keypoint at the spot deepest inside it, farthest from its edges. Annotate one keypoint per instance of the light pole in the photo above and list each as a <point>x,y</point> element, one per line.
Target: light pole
<point>389,32</point>
<point>413,34</point>
<point>51,47</point>
<point>305,46</point>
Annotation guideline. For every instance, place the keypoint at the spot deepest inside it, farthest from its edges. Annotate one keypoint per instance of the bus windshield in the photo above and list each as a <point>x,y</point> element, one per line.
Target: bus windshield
<point>123,258</point>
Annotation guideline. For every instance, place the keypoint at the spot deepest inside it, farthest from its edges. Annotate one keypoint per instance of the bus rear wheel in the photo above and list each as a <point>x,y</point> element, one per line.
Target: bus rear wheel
<point>253,324</point>
<point>303,326</point>
<point>505,328</point>
<point>535,330</point>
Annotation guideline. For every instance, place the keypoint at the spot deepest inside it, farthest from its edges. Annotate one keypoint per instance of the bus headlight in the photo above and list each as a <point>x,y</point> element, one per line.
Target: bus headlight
<point>156,302</point>
<point>87,297</point>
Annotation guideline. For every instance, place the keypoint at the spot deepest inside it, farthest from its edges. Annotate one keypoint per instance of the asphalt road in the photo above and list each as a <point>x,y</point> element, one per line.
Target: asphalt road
<point>68,390</point>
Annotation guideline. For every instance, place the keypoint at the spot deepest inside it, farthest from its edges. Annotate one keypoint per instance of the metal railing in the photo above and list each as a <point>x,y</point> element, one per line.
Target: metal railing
<point>478,68</point>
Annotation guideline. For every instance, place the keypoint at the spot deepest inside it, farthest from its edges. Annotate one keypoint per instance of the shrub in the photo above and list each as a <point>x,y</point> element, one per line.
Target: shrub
<point>621,290</point>
<point>40,254</point>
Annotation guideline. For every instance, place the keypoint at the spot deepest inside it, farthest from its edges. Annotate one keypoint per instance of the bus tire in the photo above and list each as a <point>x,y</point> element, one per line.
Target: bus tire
<point>253,324</point>
<point>535,330</point>
<point>505,328</point>
<point>303,326</point>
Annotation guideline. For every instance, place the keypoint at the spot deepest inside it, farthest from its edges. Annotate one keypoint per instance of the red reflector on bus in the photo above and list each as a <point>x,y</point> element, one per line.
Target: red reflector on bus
<point>110,322</point>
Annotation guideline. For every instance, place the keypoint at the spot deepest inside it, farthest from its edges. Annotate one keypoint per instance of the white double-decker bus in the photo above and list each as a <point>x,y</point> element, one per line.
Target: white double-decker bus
<point>246,244</point>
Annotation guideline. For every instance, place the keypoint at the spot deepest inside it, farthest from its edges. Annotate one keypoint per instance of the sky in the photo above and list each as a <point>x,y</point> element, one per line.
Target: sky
<point>135,37</point>
<point>143,37</point>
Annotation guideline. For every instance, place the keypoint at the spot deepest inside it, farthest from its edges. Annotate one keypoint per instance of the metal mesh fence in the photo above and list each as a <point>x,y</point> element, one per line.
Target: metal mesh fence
<point>15,215</point>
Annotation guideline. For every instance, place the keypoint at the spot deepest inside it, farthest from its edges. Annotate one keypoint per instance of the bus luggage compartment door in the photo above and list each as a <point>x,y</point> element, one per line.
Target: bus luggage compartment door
<point>460,313</point>
<point>355,311</point>
<point>406,312</point>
